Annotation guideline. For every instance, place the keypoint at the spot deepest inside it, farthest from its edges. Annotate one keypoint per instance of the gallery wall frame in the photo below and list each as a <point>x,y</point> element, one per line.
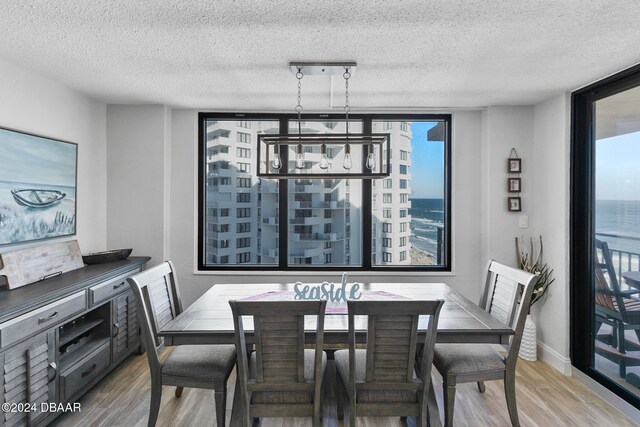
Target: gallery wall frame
<point>514,165</point>
<point>514,185</point>
<point>514,204</point>
<point>38,187</point>
<point>514,182</point>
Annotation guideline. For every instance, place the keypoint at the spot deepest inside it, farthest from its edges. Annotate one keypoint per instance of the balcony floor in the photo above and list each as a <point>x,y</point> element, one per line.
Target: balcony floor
<point>545,398</point>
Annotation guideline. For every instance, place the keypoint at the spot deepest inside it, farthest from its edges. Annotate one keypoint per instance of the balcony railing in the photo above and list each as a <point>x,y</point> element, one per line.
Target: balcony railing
<point>331,237</point>
<point>332,204</point>
<point>623,260</point>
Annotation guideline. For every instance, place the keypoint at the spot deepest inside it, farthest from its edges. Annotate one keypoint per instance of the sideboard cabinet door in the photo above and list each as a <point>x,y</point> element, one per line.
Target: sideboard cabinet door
<point>125,327</point>
<point>29,376</point>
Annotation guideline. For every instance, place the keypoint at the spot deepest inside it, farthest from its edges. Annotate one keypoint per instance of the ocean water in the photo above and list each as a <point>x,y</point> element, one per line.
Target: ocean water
<point>621,218</point>
<point>427,215</point>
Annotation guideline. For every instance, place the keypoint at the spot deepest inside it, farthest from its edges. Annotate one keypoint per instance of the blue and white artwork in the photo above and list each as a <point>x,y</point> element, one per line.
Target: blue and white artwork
<point>37,187</point>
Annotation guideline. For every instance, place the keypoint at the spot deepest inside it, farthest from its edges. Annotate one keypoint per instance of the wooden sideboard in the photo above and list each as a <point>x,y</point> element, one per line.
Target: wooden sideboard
<point>60,336</point>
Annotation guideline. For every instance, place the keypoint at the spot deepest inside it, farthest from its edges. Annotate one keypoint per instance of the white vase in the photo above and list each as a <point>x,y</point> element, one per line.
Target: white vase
<point>528,346</point>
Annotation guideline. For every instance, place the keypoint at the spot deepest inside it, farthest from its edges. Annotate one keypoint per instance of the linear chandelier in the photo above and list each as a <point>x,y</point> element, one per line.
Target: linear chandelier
<point>324,154</point>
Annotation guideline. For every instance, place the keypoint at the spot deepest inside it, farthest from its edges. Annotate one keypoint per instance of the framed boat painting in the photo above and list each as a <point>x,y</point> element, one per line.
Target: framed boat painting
<point>38,181</point>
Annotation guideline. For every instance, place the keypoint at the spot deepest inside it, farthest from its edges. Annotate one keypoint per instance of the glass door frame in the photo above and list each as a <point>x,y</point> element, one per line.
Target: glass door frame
<point>582,228</point>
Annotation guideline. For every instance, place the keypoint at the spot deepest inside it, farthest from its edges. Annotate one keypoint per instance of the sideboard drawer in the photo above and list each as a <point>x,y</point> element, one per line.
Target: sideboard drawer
<point>17,329</point>
<point>83,372</point>
<point>107,290</point>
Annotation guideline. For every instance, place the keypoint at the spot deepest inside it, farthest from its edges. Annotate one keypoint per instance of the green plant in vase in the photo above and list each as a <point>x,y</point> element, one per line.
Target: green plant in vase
<point>529,259</point>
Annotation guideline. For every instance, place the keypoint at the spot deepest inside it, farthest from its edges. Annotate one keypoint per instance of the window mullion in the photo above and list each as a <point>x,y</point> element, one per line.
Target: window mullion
<point>366,206</point>
<point>283,209</point>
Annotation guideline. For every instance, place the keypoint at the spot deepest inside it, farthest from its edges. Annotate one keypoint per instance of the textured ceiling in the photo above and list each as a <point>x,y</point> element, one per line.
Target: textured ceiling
<point>234,55</point>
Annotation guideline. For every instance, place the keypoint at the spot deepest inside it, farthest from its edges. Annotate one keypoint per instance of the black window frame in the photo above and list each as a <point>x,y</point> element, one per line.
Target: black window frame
<point>366,265</point>
<point>582,224</point>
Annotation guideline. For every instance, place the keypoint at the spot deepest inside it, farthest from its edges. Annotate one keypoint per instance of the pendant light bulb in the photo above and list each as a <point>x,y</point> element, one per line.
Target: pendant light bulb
<point>324,161</point>
<point>371,161</point>
<point>299,157</point>
<point>347,163</point>
<point>276,162</point>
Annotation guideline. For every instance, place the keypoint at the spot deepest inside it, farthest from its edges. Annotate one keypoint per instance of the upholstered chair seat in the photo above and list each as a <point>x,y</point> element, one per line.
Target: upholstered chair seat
<point>460,359</point>
<point>205,362</point>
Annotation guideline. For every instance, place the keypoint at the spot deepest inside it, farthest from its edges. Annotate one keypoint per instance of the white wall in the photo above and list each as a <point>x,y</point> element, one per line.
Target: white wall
<point>34,104</point>
<point>504,128</point>
<point>139,174</point>
<point>550,218</point>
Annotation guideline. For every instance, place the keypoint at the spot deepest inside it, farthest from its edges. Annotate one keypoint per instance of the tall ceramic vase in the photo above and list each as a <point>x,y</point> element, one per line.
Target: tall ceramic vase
<point>528,346</point>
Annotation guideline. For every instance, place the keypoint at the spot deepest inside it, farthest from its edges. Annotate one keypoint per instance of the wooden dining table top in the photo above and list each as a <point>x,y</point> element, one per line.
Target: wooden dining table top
<point>209,321</point>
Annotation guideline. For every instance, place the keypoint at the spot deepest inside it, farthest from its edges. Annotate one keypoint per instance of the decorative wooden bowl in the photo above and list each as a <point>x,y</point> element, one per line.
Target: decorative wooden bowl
<point>106,256</point>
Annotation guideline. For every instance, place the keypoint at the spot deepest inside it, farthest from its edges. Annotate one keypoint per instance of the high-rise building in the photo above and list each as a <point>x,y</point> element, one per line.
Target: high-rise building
<point>324,215</point>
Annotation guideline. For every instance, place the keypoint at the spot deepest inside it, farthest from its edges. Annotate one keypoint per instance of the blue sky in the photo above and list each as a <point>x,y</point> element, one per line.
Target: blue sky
<point>617,171</point>
<point>427,163</point>
<point>35,160</point>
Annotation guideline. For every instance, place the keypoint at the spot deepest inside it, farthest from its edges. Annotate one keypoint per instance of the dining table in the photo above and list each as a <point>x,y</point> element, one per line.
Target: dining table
<point>209,320</point>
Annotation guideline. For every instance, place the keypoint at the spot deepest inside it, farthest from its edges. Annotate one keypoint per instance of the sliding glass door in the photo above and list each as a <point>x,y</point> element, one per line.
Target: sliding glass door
<point>606,233</point>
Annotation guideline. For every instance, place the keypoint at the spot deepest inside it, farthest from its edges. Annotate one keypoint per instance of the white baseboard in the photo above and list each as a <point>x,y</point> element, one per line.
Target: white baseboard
<point>554,359</point>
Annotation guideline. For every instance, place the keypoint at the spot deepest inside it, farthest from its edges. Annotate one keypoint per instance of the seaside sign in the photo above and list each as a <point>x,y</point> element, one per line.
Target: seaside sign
<point>327,291</point>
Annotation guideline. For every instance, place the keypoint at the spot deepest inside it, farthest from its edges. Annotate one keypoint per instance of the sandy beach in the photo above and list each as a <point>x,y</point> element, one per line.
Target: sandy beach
<point>419,257</point>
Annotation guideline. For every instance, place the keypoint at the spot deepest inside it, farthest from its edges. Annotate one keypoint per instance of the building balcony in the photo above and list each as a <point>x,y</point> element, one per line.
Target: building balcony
<point>271,253</point>
<point>322,237</point>
<point>218,251</point>
<point>217,130</point>
<point>334,204</point>
<point>220,172</point>
<point>307,253</point>
<point>213,189</point>
<point>310,188</point>
<point>310,220</point>
<point>270,220</point>
<point>217,234</point>
<point>268,187</point>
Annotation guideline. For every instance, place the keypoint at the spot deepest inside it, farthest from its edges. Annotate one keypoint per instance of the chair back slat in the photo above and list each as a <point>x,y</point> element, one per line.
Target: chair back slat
<point>279,348</point>
<point>158,301</point>
<point>391,344</point>
<point>279,342</point>
<point>160,297</point>
<point>608,292</point>
<point>503,300</point>
<point>507,297</point>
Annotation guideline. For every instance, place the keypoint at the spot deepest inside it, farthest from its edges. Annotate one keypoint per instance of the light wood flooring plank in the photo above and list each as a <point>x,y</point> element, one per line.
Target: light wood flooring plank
<point>545,398</point>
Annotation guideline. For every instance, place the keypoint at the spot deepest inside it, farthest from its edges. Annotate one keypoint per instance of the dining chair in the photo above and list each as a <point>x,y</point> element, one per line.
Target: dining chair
<point>506,296</point>
<point>199,366</point>
<point>620,309</point>
<point>381,380</point>
<point>280,378</point>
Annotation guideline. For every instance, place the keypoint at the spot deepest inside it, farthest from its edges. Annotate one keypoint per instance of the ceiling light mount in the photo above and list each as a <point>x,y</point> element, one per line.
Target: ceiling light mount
<point>323,68</point>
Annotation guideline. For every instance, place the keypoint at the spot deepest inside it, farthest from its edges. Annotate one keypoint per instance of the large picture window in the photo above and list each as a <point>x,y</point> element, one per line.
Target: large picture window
<point>401,222</point>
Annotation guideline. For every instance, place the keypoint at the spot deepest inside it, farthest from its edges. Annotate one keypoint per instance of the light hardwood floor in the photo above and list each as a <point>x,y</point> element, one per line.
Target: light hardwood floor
<point>545,398</point>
